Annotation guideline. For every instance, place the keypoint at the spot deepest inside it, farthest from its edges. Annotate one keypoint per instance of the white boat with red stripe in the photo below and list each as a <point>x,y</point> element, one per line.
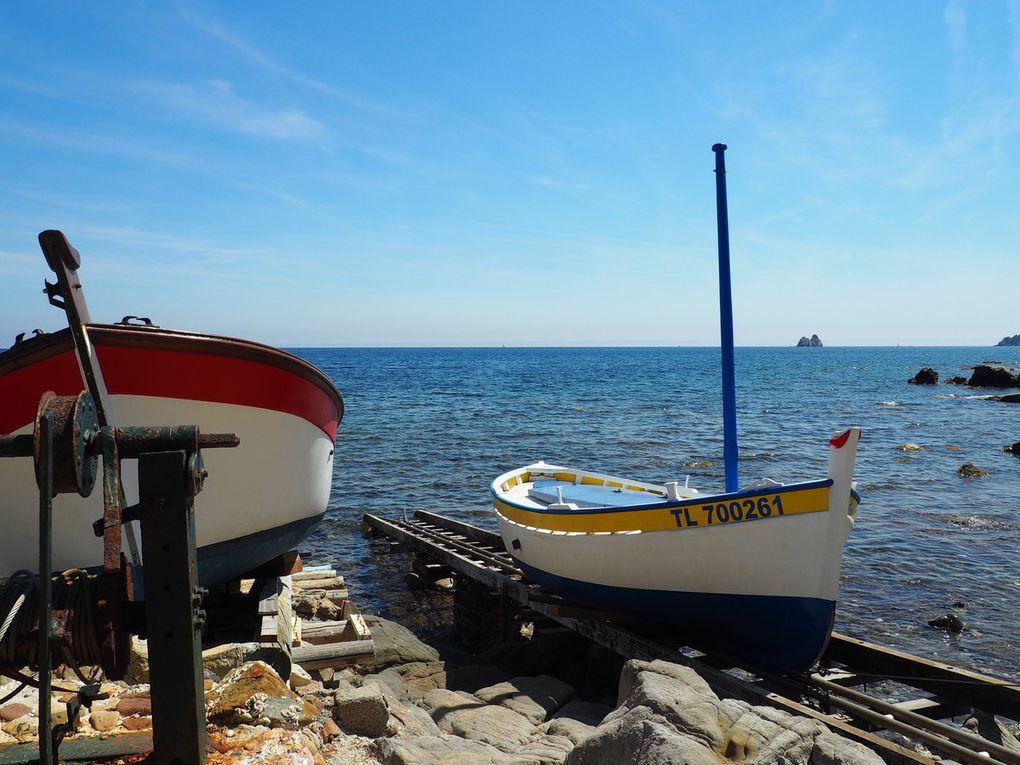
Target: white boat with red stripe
<point>260,500</point>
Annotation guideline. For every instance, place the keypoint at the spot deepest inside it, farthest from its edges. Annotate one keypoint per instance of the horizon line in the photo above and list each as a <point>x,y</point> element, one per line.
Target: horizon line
<point>574,347</point>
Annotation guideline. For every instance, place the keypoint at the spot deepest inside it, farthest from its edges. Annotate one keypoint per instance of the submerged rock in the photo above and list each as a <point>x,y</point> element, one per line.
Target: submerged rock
<point>1012,448</point>
<point>948,623</point>
<point>926,376</point>
<point>967,470</point>
<point>985,376</point>
<point>955,380</point>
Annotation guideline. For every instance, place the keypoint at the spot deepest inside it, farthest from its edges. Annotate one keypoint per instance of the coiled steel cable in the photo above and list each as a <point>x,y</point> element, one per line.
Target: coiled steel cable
<point>73,591</point>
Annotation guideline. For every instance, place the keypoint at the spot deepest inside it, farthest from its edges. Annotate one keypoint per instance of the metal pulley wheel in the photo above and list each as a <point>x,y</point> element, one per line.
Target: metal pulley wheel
<point>74,426</point>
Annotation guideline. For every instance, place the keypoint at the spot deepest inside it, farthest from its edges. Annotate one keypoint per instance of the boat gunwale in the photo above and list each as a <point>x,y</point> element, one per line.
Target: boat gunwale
<point>701,499</point>
<point>40,348</point>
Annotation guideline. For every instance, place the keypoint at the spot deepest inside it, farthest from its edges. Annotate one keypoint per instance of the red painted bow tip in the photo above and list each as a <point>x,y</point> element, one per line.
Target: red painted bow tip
<point>838,442</point>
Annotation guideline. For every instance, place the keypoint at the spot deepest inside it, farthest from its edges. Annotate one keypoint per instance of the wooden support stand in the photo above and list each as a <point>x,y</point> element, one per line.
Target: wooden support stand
<point>314,644</point>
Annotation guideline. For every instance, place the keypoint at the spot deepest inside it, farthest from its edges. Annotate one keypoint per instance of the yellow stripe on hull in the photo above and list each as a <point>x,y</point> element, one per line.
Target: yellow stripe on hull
<point>684,515</point>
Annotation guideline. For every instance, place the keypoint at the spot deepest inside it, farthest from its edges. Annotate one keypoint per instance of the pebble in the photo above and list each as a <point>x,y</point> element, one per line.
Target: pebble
<point>104,719</point>
<point>137,723</point>
<point>13,711</point>
<point>128,707</point>
<point>330,730</point>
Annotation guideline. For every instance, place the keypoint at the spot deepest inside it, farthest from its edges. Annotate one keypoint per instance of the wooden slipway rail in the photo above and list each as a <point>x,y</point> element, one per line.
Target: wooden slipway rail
<point>829,694</point>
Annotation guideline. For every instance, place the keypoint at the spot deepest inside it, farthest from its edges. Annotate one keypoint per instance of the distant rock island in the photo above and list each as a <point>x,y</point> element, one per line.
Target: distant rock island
<point>1015,340</point>
<point>812,342</point>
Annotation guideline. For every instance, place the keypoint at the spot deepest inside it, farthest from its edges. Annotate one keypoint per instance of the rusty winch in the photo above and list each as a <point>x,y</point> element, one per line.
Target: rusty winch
<point>67,442</point>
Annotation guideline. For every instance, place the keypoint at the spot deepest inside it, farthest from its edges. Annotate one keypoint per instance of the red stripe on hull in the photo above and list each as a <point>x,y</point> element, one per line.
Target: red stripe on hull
<point>20,390</point>
<point>168,374</point>
<point>222,379</point>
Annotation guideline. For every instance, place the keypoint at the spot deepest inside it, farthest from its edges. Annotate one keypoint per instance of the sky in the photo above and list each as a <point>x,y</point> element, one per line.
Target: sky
<point>519,173</point>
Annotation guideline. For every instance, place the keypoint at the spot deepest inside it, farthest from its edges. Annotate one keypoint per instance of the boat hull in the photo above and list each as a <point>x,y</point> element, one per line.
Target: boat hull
<point>260,500</point>
<point>769,631</point>
<point>762,592</point>
<point>752,575</point>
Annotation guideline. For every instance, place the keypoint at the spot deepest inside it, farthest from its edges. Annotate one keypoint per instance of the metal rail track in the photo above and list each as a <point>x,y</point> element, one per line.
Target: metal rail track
<point>826,695</point>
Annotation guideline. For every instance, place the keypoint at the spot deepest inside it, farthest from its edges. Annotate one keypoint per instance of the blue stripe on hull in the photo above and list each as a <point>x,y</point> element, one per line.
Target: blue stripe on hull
<point>781,634</point>
<point>224,561</point>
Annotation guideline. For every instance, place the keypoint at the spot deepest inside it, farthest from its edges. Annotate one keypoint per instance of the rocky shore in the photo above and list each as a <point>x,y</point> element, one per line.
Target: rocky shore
<point>409,707</point>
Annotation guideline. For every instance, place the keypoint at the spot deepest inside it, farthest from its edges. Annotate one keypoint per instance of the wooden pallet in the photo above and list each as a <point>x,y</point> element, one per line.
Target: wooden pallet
<point>314,644</point>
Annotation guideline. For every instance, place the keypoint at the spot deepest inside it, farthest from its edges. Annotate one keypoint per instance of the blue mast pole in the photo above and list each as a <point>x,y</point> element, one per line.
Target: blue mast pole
<point>729,385</point>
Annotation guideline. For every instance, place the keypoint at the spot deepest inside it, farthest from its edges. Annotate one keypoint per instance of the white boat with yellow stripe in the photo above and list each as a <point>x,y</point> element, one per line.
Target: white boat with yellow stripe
<point>751,574</point>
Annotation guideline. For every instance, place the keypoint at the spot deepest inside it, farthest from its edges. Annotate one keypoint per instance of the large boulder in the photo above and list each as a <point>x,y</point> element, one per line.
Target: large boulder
<point>985,376</point>
<point>395,644</point>
<point>1012,448</point>
<point>534,697</point>
<point>363,711</point>
<point>926,376</point>
<point>432,750</point>
<point>463,715</point>
<point>668,714</point>
<point>221,659</point>
<point>253,693</point>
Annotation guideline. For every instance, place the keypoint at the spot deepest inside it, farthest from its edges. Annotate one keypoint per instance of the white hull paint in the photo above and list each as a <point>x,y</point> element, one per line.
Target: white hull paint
<point>798,556</point>
<point>281,473</point>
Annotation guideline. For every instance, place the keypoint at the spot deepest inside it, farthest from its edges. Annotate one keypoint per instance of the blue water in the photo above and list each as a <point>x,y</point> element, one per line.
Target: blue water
<point>430,428</point>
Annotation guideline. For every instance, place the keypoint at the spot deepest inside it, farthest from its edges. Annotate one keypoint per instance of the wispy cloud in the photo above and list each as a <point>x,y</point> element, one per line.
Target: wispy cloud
<point>246,50</point>
<point>171,243</point>
<point>955,17</point>
<point>19,263</point>
<point>108,142</point>
<point>216,103</point>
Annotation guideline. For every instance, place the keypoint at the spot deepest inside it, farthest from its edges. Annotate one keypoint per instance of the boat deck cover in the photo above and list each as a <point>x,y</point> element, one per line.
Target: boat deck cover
<point>592,496</point>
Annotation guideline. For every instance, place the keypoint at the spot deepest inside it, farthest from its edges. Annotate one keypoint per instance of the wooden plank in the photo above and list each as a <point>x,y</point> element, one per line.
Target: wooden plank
<point>324,583</point>
<point>332,654</point>
<point>323,632</point>
<point>356,628</point>
<point>285,614</point>
<point>269,606</point>
<point>992,693</point>
<point>314,573</point>
<point>268,633</point>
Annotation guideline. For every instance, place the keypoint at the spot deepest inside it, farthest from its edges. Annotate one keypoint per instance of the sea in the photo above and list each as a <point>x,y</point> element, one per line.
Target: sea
<point>429,428</point>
